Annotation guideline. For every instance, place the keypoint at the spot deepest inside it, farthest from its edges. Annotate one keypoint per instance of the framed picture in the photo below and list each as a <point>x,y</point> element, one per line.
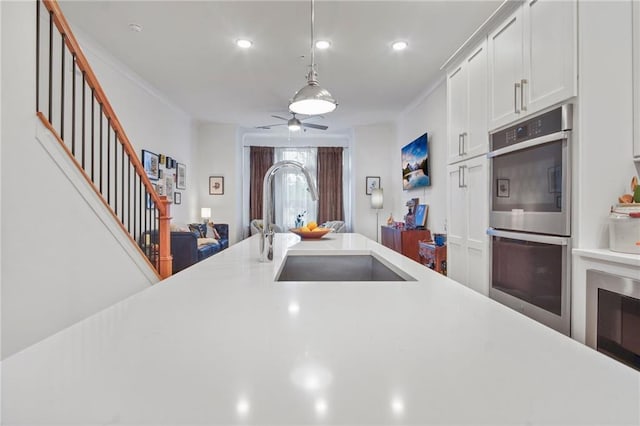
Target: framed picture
<point>216,185</point>
<point>168,186</point>
<point>422,211</point>
<point>502,188</point>
<point>415,163</point>
<point>151,164</point>
<point>177,197</point>
<point>181,176</point>
<point>163,159</point>
<point>150,203</point>
<point>372,182</point>
<point>168,163</point>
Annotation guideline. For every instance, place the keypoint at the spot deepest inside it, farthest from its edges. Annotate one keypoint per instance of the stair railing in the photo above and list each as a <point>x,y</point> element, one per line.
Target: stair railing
<point>81,118</point>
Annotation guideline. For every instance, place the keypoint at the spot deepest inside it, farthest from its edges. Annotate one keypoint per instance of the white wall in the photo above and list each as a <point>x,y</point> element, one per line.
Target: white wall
<point>374,155</point>
<point>604,136</point>
<point>60,263</point>
<point>219,155</point>
<point>605,116</point>
<point>150,121</point>
<point>428,114</point>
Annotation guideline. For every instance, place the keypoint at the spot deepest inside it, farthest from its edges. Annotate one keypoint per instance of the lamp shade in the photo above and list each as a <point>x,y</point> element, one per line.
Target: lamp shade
<point>312,100</point>
<point>205,212</point>
<point>377,198</point>
<point>294,124</point>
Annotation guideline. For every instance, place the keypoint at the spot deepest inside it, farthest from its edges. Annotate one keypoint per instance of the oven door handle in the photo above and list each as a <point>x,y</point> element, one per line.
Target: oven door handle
<point>528,144</point>
<point>534,238</point>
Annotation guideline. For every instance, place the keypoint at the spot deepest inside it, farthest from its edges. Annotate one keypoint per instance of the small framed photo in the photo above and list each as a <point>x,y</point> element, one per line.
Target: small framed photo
<point>372,182</point>
<point>150,203</point>
<point>151,164</point>
<point>181,176</point>
<point>163,159</point>
<point>502,188</point>
<point>168,183</point>
<point>169,163</point>
<point>216,185</point>
<point>177,197</point>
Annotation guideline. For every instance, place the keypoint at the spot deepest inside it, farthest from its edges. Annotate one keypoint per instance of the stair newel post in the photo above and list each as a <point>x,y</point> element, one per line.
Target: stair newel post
<point>164,219</point>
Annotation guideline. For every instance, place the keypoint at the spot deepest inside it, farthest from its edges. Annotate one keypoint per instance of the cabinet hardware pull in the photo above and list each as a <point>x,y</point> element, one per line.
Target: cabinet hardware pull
<point>464,137</point>
<point>459,144</point>
<point>516,86</point>
<point>464,177</point>
<point>460,171</point>
<point>523,107</point>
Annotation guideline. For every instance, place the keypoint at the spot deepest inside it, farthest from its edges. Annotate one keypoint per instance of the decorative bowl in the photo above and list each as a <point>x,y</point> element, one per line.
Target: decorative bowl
<point>311,234</point>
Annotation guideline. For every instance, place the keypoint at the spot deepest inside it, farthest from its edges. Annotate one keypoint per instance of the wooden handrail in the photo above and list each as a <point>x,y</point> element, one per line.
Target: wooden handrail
<point>161,203</point>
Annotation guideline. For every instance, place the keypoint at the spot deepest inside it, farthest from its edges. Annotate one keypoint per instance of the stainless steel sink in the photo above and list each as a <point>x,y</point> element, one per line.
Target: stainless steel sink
<point>334,267</point>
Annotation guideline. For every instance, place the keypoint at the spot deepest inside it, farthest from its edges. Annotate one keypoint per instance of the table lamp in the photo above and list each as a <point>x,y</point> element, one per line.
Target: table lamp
<point>205,213</point>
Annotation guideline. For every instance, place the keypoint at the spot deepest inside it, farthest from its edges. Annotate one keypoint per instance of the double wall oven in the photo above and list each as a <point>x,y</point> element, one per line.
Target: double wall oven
<point>530,218</point>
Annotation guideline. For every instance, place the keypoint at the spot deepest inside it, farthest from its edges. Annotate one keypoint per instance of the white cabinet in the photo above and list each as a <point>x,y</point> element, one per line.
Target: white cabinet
<point>532,60</point>
<point>467,107</point>
<point>636,80</point>
<point>468,219</point>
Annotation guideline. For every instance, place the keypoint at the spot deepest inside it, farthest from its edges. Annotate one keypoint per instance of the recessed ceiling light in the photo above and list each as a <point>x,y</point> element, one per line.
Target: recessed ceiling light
<point>323,44</point>
<point>137,28</point>
<point>244,43</point>
<point>399,45</point>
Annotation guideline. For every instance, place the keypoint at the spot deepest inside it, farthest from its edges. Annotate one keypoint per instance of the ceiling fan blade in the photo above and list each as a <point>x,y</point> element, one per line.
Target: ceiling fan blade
<point>311,116</point>
<point>281,118</point>
<point>268,126</point>
<point>315,126</point>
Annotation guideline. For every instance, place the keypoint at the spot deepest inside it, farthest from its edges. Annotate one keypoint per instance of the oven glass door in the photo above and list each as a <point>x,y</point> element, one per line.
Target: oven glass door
<point>529,271</point>
<point>530,179</point>
<point>531,274</point>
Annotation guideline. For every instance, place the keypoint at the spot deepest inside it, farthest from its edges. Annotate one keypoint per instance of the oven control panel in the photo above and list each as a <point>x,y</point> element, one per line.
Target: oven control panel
<point>553,121</point>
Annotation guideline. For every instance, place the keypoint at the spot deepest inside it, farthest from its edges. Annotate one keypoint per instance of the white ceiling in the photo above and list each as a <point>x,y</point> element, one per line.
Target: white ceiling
<point>187,52</point>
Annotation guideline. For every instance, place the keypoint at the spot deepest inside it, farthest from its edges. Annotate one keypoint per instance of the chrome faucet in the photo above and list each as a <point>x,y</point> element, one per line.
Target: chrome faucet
<point>266,241</point>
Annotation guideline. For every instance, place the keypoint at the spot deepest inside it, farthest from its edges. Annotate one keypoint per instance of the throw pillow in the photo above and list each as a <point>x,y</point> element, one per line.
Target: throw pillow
<point>197,229</point>
<point>212,232</point>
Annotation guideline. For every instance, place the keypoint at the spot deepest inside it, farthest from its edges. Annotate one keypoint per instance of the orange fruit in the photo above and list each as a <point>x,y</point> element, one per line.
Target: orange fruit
<point>312,225</point>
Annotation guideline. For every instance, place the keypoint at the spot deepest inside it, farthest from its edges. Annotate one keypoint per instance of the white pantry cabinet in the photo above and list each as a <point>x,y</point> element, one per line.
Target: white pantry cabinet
<point>467,222</point>
<point>532,60</point>
<point>636,80</point>
<point>467,107</point>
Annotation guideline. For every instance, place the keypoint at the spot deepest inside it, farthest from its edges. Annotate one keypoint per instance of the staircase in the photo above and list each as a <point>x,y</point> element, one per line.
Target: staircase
<point>72,105</point>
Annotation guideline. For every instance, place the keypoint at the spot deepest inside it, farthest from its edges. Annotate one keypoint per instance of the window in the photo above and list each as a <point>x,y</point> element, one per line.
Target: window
<point>292,197</point>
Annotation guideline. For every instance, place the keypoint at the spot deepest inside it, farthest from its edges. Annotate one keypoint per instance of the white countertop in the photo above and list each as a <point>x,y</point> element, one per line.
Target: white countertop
<point>609,256</point>
<point>222,343</point>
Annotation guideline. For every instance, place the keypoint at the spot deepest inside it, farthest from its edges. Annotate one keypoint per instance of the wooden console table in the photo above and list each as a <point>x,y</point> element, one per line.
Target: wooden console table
<point>404,241</point>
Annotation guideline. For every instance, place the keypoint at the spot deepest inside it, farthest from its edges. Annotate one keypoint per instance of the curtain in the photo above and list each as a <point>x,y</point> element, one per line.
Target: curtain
<point>330,205</point>
<point>261,158</point>
<point>291,195</point>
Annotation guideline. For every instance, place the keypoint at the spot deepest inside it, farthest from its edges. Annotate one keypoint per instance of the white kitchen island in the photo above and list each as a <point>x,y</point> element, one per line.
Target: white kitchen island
<point>223,343</point>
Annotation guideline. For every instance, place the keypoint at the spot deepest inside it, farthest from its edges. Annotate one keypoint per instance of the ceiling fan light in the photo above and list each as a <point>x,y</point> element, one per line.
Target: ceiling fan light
<point>312,100</point>
<point>294,124</point>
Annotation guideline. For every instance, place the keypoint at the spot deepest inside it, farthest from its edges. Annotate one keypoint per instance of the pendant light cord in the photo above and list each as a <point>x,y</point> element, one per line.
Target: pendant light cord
<point>313,59</point>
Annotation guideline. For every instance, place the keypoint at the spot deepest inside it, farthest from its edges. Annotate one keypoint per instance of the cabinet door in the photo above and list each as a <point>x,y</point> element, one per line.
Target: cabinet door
<point>505,71</point>
<point>477,199</point>
<point>476,139</point>
<point>456,225</point>
<point>457,110</point>
<point>636,80</point>
<point>550,53</point>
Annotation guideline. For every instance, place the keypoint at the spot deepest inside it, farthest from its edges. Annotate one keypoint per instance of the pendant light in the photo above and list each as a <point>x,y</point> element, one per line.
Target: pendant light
<point>312,99</point>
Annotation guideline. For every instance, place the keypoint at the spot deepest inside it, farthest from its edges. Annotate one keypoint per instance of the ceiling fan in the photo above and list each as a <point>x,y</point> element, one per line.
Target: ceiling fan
<point>294,123</point>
